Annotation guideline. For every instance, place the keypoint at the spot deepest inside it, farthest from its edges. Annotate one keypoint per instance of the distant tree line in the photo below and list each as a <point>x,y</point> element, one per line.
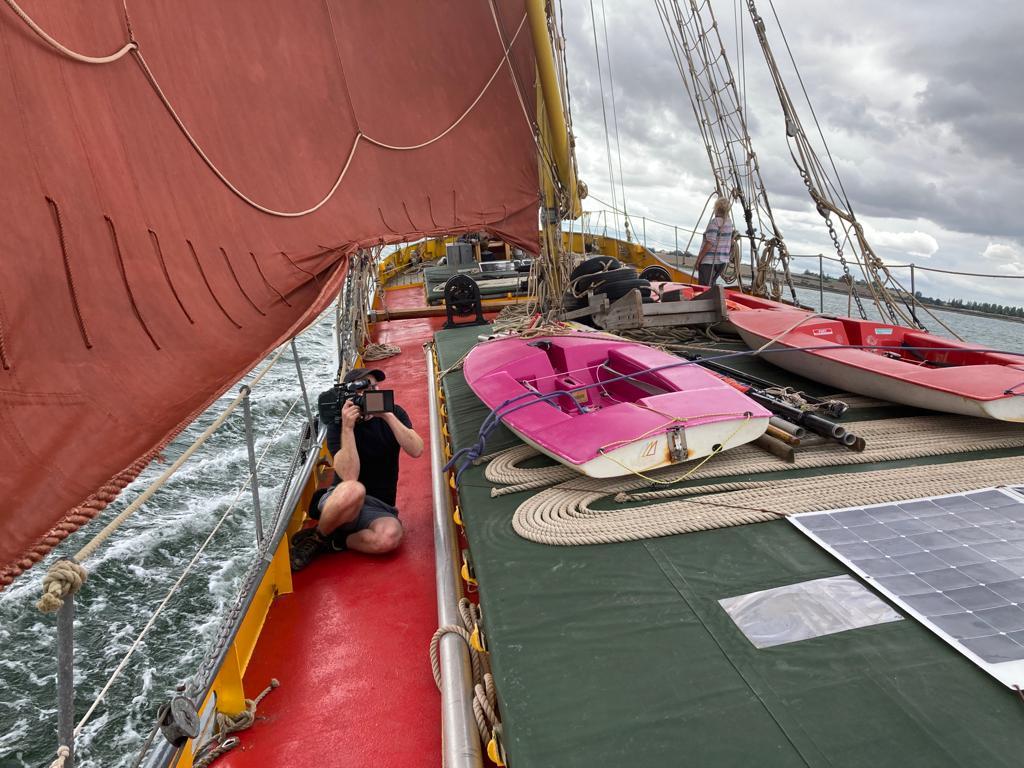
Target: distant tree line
<point>974,306</point>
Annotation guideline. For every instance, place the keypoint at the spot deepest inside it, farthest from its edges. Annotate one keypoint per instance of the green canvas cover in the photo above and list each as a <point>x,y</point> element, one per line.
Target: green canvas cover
<point>620,655</point>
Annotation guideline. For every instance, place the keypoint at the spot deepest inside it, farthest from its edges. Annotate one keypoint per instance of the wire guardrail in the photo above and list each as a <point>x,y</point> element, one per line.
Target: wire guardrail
<point>59,592</point>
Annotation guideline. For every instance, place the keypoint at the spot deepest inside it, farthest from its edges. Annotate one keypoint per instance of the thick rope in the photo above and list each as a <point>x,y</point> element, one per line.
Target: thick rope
<point>564,516</point>
<point>485,697</point>
<point>64,578</point>
<point>887,440</point>
<point>81,57</point>
<point>225,725</point>
<point>380,351</point>
<point>63,753</point>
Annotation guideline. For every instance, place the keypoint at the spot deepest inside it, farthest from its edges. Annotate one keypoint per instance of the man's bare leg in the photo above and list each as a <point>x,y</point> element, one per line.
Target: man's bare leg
<point>383,535</point>
<point>342,506</point>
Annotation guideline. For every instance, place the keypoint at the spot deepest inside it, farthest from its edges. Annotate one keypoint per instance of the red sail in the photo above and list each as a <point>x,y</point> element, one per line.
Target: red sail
<point>172,215</point>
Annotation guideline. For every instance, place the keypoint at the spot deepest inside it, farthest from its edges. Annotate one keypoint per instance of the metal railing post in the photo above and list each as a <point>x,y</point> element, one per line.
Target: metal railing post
<point>821,282</point>
<point>678,256</point>
<point>913,296</point>
<point>254,482</point>
<point>66,678</point>
<point>643,219</point>
<point>302,386</point>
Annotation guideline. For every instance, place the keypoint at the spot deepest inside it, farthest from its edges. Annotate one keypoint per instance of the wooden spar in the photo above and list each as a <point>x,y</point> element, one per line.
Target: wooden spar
<point>408,313</point>
<point>776,448</point>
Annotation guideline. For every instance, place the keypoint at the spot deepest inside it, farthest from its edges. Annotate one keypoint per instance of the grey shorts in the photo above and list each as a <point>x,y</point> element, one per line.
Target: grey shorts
<point>373,509</point>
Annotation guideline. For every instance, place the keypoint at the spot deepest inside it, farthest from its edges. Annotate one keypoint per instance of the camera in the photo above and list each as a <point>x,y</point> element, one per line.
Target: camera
<point>369,401</point>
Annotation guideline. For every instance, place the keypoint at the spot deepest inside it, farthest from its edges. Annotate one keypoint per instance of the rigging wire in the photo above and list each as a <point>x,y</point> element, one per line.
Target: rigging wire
<point>615,117</point>
<point>604,110</point>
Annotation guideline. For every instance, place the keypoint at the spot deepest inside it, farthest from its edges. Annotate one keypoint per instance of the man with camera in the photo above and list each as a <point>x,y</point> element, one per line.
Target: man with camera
<point>365,432</point>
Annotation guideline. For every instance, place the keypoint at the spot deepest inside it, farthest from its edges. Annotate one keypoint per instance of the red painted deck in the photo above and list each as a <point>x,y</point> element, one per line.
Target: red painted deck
<point>349,646</point>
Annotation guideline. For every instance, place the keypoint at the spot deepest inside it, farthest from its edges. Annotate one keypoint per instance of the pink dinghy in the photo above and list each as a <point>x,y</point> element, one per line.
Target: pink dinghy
<point>602,423</point>
<point>904,365</point>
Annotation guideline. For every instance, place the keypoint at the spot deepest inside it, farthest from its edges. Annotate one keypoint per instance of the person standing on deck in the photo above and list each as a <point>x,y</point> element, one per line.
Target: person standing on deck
<point>358,512</point>
<point>716,250</point>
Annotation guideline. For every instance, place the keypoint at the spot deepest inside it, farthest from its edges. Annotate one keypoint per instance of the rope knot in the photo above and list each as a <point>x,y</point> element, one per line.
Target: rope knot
<point>63,753</point>
<point>64,578</point>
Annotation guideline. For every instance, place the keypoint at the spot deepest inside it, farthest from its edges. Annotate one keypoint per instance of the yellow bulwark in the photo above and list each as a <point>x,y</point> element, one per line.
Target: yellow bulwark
<point>228,687</point>
<point>633,254</point>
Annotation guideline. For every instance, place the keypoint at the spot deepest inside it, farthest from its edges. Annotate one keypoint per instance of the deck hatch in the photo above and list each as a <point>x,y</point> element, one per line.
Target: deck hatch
<point>955,563</point>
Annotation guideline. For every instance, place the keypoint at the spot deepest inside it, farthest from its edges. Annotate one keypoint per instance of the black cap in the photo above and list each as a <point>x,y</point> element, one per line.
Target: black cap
<point>361,373</point>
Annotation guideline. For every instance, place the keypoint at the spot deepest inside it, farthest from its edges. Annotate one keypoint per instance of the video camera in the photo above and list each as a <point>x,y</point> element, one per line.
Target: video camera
<point>370,402</point>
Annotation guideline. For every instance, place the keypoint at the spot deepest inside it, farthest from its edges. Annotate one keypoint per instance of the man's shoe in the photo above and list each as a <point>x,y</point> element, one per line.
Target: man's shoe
<point>307,544</point>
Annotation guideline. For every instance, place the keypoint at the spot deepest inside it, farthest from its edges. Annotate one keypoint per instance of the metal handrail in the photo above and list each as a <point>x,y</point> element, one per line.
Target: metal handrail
<point>460,740</point>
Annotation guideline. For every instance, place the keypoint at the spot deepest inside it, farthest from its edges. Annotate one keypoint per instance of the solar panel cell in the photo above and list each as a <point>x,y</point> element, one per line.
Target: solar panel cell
<point>955,562</point>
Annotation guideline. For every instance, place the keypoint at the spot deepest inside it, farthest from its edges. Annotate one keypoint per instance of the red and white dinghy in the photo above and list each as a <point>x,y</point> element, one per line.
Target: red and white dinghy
<point>904,365</point>
<point>605,425</point>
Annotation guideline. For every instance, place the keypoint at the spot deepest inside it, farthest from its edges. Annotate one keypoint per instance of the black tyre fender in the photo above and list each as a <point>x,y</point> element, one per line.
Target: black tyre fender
<point>654,273</point>
<point>594,264</point>
<point>589,282</point>
<point>620,288</point>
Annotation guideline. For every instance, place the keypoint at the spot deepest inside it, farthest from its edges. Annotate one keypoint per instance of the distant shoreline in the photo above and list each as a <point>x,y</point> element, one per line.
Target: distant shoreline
<point>810,283</point>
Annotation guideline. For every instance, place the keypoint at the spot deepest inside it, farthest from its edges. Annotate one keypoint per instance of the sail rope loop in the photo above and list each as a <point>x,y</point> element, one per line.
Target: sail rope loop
<point>123,51</point>
<point>133,48</point>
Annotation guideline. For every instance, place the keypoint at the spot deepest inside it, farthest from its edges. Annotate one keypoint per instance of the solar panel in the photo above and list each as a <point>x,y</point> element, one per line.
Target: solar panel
<point>955,563</point>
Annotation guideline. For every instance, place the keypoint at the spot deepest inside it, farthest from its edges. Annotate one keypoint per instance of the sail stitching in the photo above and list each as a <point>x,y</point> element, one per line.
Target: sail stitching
<point>167,275</point>
<point>127,285</point>
<point>68,273</point>
<point>231,269</point>
<point>268,283</point>
<point>209,287</point>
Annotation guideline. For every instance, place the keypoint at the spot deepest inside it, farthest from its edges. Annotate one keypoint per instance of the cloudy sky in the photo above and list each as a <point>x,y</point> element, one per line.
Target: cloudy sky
<point>922,104</point>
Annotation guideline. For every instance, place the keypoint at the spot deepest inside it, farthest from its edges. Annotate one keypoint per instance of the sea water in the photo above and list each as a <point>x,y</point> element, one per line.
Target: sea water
<point>133,572</point>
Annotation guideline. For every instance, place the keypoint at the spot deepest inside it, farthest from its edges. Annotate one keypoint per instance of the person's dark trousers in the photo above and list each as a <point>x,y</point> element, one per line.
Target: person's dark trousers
<point>707,274</point>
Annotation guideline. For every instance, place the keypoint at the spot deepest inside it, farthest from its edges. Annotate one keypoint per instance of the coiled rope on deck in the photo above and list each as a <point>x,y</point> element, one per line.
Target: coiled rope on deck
<point>564,516</point>
<point>887,440</point>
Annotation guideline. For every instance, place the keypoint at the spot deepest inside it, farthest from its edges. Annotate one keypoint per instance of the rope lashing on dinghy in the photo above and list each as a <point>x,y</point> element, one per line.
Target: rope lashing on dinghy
<point>471,454</point>
<point>717,449</point>
<point>1010,391</point>
<point>564,516</point>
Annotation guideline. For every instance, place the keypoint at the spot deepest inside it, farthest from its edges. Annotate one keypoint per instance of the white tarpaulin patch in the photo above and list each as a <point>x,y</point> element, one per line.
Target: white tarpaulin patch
<point>805,610</point>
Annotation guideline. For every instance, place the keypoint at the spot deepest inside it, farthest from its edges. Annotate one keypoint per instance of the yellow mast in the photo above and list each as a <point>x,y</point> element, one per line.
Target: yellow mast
<point>557,137</point>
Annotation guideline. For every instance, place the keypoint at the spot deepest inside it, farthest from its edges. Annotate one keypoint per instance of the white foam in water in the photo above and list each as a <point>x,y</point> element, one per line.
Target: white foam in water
<point>133,571</point>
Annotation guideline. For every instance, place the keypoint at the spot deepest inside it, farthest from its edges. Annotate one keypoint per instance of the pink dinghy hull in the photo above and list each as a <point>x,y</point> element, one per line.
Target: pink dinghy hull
<point>603,424</point>
<point>905,365</point>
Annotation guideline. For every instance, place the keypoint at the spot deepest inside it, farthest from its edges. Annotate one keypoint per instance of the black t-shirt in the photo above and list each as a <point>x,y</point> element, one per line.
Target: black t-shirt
<point>378,454</point>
